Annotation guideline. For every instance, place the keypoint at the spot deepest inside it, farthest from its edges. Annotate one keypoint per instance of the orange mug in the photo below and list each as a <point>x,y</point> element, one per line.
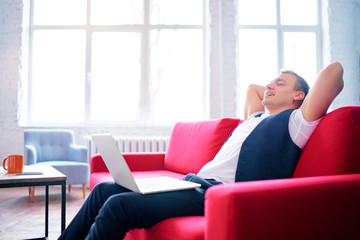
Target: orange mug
<point>15,163</point>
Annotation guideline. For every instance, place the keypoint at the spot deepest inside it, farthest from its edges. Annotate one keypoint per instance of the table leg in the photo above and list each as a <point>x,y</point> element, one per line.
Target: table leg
<point>63,206</point>
<point>46,211</point>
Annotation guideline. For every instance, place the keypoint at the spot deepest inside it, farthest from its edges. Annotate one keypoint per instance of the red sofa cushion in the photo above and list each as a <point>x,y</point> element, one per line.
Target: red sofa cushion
<point>193,144</point>
<point>334,147</point>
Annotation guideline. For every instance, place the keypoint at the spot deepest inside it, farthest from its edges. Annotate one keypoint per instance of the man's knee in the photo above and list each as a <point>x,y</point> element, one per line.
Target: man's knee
<point>102,185</point>
<point>104,190</point>
<point>121,201</point>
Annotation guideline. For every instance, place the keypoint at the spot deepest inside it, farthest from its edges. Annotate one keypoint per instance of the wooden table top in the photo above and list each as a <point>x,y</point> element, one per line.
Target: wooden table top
<point>48,174</point>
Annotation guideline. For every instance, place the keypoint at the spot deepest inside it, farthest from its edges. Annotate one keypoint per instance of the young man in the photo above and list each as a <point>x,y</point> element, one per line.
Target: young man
<point>265,146</point>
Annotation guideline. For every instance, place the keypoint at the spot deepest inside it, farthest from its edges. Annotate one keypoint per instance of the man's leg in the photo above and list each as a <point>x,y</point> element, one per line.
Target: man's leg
<point>125,211</point>
<point>81,223</point>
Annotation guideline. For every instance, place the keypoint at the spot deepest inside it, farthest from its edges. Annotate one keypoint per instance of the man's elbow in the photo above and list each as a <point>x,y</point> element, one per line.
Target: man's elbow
<point>339,68</point>
<point>336,69</point>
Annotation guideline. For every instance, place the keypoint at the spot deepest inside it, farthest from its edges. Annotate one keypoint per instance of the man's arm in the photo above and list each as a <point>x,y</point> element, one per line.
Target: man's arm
<point>328,85</point>
<point>253,101</point>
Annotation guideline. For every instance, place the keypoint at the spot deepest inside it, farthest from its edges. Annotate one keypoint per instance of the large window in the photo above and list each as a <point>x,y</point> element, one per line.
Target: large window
<point>276,34</point>
<point>112,61</point>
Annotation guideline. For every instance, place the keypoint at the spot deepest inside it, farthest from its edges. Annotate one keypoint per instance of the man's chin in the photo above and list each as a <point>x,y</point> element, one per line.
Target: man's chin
<point>265,102</point>
<point>268,104</point>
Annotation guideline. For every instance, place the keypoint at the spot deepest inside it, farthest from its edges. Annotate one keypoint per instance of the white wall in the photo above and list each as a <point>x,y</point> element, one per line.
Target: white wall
<point>342,43</point>
<point>223,72</point>
<point>10,42</point>
<point>344,46</point>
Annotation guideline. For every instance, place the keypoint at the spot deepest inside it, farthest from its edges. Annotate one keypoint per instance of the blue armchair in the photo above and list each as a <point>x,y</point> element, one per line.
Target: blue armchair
<point>58,149</point>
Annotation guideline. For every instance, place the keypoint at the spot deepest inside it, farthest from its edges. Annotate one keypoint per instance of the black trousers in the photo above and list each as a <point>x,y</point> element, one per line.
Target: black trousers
<point>111,210</point>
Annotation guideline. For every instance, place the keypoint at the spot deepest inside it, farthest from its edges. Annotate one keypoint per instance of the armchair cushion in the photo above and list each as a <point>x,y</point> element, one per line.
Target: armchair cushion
<point>193,144</point>
<point>76,172</point>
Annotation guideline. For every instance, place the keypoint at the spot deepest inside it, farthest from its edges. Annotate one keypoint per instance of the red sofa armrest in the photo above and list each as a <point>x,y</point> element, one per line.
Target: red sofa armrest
<point>138,161</point>
<point>324,207</point>
<point>97,164</point>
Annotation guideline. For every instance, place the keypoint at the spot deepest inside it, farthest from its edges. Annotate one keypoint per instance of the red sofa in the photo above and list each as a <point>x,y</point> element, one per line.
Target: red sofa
<point>321,201</point>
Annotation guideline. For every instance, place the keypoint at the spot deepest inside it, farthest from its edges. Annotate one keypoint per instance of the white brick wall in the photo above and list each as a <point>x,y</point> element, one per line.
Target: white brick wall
<point>343,45</point>
<point>10,43</point>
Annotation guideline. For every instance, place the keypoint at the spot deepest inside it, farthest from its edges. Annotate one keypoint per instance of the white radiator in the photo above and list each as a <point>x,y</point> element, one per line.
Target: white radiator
<point>133,144</point>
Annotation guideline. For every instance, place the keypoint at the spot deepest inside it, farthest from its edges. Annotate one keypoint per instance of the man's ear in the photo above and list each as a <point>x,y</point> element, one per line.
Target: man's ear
<point>299,96</point>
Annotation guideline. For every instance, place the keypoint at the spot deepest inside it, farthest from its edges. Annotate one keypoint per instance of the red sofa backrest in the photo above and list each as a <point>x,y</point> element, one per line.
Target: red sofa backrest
<point>334,146</point>
<point>193,144</point>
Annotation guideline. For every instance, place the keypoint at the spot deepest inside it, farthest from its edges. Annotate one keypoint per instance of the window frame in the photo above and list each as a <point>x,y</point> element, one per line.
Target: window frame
<point>280,30</point>
<point>144,30</point>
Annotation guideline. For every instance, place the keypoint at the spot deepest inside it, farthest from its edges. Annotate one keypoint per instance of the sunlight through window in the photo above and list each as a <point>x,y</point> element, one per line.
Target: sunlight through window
<point>128,61</point>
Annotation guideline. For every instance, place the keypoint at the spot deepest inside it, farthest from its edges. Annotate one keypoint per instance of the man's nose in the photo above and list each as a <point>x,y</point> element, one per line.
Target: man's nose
<point>269,86</point>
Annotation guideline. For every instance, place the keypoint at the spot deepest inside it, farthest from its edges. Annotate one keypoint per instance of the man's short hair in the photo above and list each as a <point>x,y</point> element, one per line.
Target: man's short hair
<point>300,85</point>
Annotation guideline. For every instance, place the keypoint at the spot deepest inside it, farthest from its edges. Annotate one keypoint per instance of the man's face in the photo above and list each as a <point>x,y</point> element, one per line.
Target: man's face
<point>280,95</point>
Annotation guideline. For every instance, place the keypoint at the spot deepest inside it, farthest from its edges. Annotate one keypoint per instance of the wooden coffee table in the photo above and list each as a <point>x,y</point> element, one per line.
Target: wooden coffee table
<point>50,176</point>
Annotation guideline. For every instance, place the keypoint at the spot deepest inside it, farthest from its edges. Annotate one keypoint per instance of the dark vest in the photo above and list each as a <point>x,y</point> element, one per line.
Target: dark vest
<point>268,152</point>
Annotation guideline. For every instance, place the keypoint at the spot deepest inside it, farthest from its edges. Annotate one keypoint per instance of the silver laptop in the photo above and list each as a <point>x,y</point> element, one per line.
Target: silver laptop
<point>121,173</point>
